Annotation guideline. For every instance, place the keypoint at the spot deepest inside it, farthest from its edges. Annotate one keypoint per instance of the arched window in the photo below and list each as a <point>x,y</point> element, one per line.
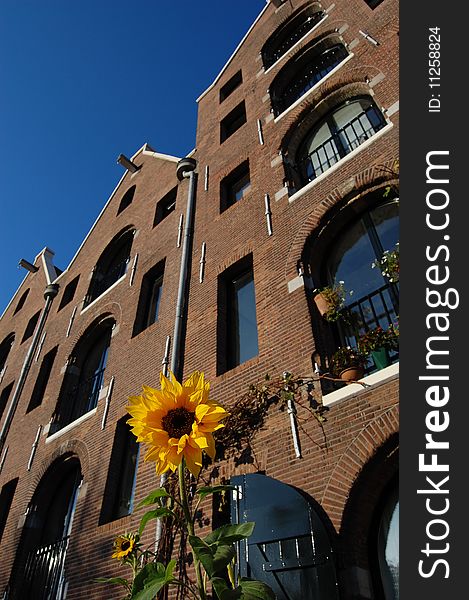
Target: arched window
<point>304,71</point>
<point>341,131</point>
<point>85,375</point>
<point>349,251</point>
<point>112,265</point>
<point>291,32</point>
<point>39,569</point>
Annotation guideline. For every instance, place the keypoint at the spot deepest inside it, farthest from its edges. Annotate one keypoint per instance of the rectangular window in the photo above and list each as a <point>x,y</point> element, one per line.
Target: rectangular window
<point>150,298</point>
<point>237,330</point>
<point>42,379</point>
<point>31,326</point>
<point>122,475</point>
<point>69,293</point>
<point>165,206</point>
<point>234,186</point>
<point>4,397</point>
<point>233,121</point>
<point>231,85</point>
<point>6,498</point>
<point>373,3</point>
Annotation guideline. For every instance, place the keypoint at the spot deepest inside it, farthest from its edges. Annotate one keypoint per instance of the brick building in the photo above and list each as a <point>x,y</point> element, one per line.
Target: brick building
<point>294,188</point>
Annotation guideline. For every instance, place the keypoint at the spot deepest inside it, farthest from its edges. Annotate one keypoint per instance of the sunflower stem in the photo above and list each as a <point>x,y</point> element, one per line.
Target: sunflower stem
<point>190,525</point>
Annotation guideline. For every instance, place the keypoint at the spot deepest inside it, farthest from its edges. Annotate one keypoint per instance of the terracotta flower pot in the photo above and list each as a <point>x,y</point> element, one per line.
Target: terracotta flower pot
<point>352,373</point>
<point>322,303</point>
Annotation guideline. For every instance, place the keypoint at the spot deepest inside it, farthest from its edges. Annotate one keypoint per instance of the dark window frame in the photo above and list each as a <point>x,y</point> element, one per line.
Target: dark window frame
<point>42,379</point>
<point>5,396</point>
<point>68,293</point>
<point>31,326</point>
<point>231,85</point>
<point>21,302</point>
<point>233,121</point>
<point>6,500</point>
<point>230,284</point>
<point>147,311</point>
<point>237,183</point>
<point>165,206</point>
<point>127,199</point>
<point>122,475</point>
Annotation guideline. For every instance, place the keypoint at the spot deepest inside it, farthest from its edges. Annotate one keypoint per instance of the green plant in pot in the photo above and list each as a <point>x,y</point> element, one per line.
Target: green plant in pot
<point>348,364</point>
<point>378,342</point>
<point>330,300</point>
<point>388,264</point>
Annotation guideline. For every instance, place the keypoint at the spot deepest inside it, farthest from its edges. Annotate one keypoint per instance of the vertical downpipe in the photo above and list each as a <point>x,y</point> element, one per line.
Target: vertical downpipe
<point>50,293</point>
<point>185,169</point>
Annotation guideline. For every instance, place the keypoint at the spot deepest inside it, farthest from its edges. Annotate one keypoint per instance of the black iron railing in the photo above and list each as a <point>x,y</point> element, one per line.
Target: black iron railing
<point>103,280</point>
<point>275,51</point>
<point>308,77</point>
<point>342,142</point>
<point>79,400</point>
<point>377,309</point>
<point>43,574</point>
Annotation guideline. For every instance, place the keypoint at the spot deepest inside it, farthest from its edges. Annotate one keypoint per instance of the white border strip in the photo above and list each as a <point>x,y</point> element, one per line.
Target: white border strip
<point>71,425</point>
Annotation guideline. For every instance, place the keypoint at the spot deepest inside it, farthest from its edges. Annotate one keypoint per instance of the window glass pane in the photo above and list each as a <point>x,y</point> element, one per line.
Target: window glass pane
<point>351,263</point>
<point>388,549</point>
<point>128,472</point>
<point>154,301</point>
<point>244,326</point>
<point>386,221</point>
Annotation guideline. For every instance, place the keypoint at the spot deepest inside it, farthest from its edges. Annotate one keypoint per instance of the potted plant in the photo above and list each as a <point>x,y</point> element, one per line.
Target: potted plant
<point>389,264</point>
<point>330,300</point>
<point>348,364</point>
<point>378,342</point>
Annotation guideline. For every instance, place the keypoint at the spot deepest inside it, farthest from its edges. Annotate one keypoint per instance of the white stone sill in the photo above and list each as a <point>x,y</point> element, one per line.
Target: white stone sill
<point>353,389</point>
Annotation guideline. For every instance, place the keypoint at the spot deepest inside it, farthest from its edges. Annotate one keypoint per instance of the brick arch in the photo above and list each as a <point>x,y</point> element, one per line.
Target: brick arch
<point>351,190</point>
<point>71,447</point>
<point>354,458</point>
<point>109,310</point>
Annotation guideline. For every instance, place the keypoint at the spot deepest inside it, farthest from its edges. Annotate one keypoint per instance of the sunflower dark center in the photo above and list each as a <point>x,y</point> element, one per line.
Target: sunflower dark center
<point>125,545</point>
<point>178,422</point>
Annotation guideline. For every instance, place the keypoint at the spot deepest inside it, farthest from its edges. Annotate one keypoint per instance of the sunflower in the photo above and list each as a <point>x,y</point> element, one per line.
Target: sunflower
<point>176,421</point>
<point>123,546</point>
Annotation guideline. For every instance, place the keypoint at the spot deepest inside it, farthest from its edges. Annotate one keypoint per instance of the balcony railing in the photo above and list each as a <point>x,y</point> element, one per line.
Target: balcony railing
<point>43,573</point>
<point>79,400</point>
<point>271,55</point>
<point>308,77</point>
<point>103,280</point>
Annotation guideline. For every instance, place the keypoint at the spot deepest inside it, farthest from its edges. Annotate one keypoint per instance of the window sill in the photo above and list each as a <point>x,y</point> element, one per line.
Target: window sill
<point>71,426</point>
<point>300,41</point>
<point>353,389</point>
<point>116,283</point>
<point>313,89</point>
<point>306,188</point>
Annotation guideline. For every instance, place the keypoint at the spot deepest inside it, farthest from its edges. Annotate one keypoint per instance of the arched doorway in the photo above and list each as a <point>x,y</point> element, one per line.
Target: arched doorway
<point>38,572</point>
<point>290,548</point>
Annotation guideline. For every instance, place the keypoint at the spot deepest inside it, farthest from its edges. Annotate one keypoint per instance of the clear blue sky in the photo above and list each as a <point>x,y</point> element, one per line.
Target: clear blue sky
<point>82,82</point>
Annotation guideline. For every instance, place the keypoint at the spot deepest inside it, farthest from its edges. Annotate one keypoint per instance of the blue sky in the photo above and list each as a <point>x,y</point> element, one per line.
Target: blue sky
<point>82,82</point>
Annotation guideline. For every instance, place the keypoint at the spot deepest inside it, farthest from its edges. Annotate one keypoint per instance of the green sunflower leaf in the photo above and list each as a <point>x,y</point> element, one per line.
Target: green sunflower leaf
<point>150,580</point>
<point>207,490</point>
<point>249,589</point>
<point>228,534</point>
<point>154,496</point>
<point>154,514</point>
<point>213,558</point>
